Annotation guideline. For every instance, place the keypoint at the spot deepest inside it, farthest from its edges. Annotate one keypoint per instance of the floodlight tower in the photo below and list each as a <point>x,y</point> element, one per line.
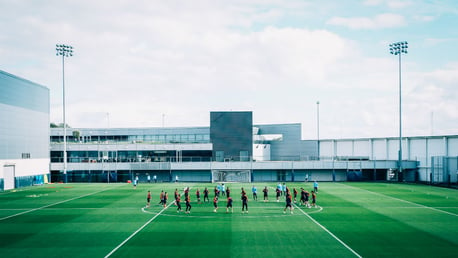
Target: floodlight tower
<point>318,127</point>
<point>64,51</point>
<point>399,48</point>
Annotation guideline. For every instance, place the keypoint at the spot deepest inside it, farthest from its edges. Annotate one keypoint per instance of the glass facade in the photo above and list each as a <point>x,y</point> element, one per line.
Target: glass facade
<point>158,138</point>
<point>124,156</point>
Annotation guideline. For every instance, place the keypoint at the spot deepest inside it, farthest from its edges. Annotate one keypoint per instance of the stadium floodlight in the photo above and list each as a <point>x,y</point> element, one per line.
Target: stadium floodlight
<point>399,48</point>
<point>64,51</point>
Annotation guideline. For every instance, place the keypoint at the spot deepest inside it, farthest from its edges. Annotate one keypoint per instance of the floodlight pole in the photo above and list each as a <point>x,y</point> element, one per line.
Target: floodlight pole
<point>399,48</point>
<point>64,51</point>
<point>318,127</point>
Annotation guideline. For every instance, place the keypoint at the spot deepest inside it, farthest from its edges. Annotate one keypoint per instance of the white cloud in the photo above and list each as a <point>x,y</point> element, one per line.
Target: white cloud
<point>394,4</point>
<point>432,93</point>
<point>398,4</point>
<point>184,60</point>
<point>386,20</point>
<point>424,18</point>
<point>372,2</point>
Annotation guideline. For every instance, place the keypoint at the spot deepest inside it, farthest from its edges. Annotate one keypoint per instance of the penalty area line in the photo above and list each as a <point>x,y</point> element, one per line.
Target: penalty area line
<point>138,230</point>
<point>329,232</point>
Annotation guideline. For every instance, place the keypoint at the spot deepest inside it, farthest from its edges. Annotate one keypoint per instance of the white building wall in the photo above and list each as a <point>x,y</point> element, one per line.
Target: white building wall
<point>327,148</point>
<point>393,149</point>
<point>420,149</point>
<point>261,152</point>
<point>344,148</point>
<point>379,149</point>
<point>436,147</point>
<point>361,148</point>
<point>27,167</point>
<point>452,148</point>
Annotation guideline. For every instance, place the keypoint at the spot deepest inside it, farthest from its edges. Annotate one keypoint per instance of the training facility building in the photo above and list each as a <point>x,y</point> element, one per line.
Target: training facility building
<point>235,149</point>
<point>24,132</point>
<point>232,148</point>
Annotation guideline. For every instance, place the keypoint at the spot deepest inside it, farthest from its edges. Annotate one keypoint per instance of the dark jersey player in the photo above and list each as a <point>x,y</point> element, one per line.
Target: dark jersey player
<point>215,203</point>
<point>278,194</point>
<point>206,194</point>
<point>177,202</point>
<point>313,199</point>
<point>288,203</point>
<point>148,199</point>
<point>229,205</point>
<point>164,199</point>
<point>244,203</point>
<point>266,194</point>
<point>198,195</point>
<point>188,204</point>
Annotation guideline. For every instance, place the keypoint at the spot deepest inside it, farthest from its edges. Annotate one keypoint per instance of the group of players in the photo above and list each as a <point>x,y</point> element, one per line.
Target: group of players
<point>222,190</point>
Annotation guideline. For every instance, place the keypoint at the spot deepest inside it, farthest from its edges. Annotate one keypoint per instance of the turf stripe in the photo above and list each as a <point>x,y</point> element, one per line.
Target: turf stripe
<point>401,200</point>
<point>138,230</point>
<point>52,204</point>
<point>329,232</point>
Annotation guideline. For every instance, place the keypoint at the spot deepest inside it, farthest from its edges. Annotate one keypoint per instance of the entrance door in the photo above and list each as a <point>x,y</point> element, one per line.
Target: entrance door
<point>8,173</point>
<point>281,176</point>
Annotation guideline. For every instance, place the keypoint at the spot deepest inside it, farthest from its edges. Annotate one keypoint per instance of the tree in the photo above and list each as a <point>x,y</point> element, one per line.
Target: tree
<point>60,125</point>
<point>76,135</point>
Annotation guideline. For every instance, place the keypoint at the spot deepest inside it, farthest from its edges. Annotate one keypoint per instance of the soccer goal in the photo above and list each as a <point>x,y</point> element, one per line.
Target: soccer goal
<point>243,176</point>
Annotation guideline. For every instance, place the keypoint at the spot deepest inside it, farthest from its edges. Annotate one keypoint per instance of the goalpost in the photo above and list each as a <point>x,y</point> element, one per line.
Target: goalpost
<point>243,176</point>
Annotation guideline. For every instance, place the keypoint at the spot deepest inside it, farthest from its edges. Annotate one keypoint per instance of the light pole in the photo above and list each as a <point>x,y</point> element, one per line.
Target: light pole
<point>64,51</point>
<point>399,48</point>
<point>318,127</point>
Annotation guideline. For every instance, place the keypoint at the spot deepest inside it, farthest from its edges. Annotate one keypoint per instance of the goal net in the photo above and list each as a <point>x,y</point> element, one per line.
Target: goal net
<point>243,176</point>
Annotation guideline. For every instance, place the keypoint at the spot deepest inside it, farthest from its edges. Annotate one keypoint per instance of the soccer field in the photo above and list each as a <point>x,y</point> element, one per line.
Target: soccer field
<point>110,220</point>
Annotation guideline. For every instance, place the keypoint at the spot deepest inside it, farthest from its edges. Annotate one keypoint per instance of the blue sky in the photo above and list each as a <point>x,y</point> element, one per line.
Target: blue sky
<point>149,63</point>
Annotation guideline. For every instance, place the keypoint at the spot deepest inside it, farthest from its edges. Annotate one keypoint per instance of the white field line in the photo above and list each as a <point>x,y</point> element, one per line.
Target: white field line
<point>70,208</point>
<point>138,230</point>
<point>325,229</point>
<point>329,232</point>
<point>52,204</point>
<point>401,200</point>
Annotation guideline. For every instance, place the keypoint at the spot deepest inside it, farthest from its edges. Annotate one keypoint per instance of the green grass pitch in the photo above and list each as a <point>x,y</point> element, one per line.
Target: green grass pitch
<point>110,220</point>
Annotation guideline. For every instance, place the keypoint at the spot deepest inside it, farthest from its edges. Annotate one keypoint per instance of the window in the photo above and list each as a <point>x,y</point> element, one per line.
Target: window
<point>219,156</point>
<point>244,156</point>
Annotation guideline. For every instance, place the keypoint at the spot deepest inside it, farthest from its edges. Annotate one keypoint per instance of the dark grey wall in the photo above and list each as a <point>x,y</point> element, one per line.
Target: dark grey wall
<point>231,132</point>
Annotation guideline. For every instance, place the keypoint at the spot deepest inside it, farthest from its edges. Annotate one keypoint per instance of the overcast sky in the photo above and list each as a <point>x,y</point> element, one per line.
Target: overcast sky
<point>169,63</point>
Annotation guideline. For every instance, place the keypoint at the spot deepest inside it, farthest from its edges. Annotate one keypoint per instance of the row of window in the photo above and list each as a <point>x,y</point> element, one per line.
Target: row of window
<point>130,156</point>
<point>160,138</point>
